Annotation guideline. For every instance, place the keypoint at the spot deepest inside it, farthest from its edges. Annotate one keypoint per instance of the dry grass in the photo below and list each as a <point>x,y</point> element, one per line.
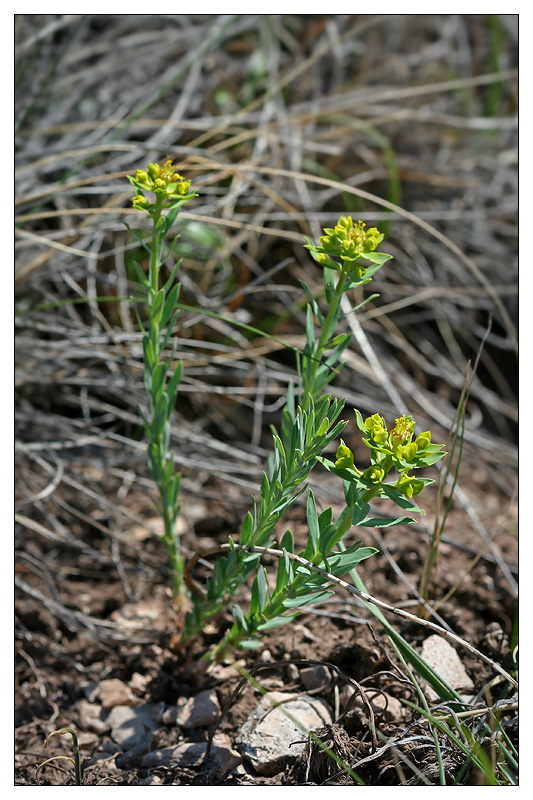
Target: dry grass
<point>283,123</point>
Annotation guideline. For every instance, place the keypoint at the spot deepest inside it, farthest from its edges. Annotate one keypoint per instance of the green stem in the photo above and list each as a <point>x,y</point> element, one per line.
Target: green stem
<point>156,245</point>
<point>236,635</point>
<point>328,329</point>
<point>176,563</point>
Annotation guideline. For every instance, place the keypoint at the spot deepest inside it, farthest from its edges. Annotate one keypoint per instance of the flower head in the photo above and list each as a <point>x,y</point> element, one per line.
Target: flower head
<point>349,240</point>
<point>163,180</point>
<point>375,425</point>
<point>344,457</point>
<point>403,431</point>
<point>374,474</point>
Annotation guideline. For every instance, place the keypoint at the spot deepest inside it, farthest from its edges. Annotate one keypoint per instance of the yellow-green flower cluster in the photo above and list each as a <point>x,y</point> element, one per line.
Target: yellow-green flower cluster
<point>392,448</point>
<point>345,248</point>
<point>162,180</point>
<point>344,457</point>
<point>349,241</point>
<point>398,441</point>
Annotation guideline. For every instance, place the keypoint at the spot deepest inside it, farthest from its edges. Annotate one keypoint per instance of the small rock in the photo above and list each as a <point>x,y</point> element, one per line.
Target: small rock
<point>130,725</point>
<point>150,613</point>
<point>171,713</point>
<point>115,693</point>
<point>109,747</point>
<point>87,741</point>
<point>199,711</point>
<point>222,673</point>
<point>267,734</point>
<point>131,756</point>
<point>266,657</point>
<point>443,658</point>
<point>158,710</point>
<point>90,690</point>
<point>293,673</point>
<point>138,683</point>
<point>315,677</point>
<point>192,755</point>
<point>91,717</point>
<point>152,780</point>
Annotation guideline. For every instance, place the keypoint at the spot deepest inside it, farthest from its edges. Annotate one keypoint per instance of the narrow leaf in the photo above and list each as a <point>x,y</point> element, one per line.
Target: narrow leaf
<point>307,599</point>
<point>381,522</point>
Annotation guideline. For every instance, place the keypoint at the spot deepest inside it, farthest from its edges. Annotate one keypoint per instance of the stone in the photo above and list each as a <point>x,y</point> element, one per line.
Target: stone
<point>171,713</point>
<point>114,692</point>
<point>265,738</point>
<point>138,683</point>
<point>131,725</point>
<point>192,754</point>
<point>223,673</point>
<point>293,673</point>
<point>315,677</point>
<point>199,711</point>
<point>90,690</point>
<point>443,658</point>
<point>91,717</point>
<point>152,780</point>
<point>87,741</point>
<point>130,757</point>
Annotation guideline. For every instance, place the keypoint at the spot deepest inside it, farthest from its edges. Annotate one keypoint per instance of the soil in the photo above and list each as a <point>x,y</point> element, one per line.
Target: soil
<point>417,111</point>
<point>60,662</point>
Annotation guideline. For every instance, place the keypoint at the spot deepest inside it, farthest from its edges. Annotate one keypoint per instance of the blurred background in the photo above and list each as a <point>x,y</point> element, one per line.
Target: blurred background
<point>283,123</point>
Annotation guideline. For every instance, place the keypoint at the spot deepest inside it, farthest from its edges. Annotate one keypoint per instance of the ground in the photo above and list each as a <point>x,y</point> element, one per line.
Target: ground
<point>58,667</point>
<point>283,123</point>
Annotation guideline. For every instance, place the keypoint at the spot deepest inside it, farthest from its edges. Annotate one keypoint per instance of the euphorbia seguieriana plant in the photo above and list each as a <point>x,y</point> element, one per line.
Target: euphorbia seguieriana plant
<point>310,423</point>
<point>169,191</point>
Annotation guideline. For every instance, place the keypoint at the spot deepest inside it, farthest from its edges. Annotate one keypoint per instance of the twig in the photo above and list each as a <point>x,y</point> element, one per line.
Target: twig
<point>363,595</point>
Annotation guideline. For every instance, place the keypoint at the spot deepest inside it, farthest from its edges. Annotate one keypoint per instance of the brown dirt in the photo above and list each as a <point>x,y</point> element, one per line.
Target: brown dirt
<point>56,665</point>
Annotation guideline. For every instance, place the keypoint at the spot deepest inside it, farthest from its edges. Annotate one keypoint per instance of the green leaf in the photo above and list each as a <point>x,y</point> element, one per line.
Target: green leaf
<point>309,332</point>
<point>214,585</point>
<point>341,563</point>
<point>376,258</point>
<point>287,543</point>
<point>325,518</point>
<point>307,599</point>
<point>400,499</point>
<point>172,214</point>
<point>381,522</point>
<point>329,281</point>
<point>156,303</point>
<point>275,622</point>
<point>313,303</point>
<point>360,511</point>
<point>360,422</point>
<point>327,540</point>
<point>170,304</point>
<point>289,569</point>
<point>173,383</point>
<point>250,644</point>
<point>160,412</point>
<point>158,379</point>
<point>342,338</point>
<point>314,529</point>
<point>262,587</point>
<point>170,280</point>
<point>246,529</point>
<point>240,619</point>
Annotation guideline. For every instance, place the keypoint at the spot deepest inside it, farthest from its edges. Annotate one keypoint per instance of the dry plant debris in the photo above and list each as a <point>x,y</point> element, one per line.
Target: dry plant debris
<point>284,122</point>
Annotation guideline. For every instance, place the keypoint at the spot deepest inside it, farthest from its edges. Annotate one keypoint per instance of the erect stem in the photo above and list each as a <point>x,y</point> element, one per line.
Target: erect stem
<point>156,245</point>
<point>328,328</point>
<point>379,603</point>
